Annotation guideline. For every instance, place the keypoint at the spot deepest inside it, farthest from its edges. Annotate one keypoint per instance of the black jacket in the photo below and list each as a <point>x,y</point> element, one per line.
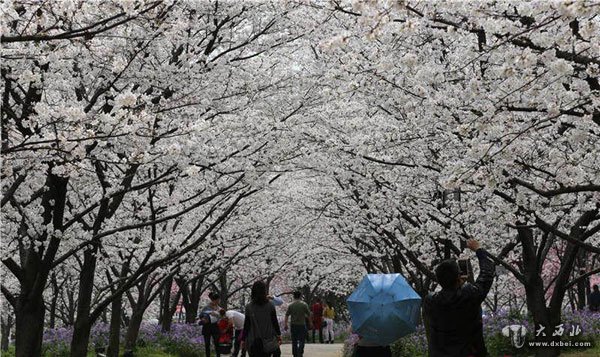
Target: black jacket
<point>453,317</point>
<point>594,300</point>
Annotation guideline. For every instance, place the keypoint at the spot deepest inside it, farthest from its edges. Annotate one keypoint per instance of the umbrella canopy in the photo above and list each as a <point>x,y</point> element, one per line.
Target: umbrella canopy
<point>384,308</point>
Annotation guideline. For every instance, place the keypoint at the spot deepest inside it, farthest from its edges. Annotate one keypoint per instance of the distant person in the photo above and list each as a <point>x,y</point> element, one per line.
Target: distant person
<point>237,319</point>
<point>328,316</point>
<point>594,299</point>
<point>453,315</point>
<point>297,314</point>
<point>209,316</point>
<point>317,322</point>
<point>262,336</point>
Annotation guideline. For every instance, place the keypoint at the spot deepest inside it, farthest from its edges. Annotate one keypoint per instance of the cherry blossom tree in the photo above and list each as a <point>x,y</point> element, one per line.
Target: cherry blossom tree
<point>492,105</point>
<point>105,111</point>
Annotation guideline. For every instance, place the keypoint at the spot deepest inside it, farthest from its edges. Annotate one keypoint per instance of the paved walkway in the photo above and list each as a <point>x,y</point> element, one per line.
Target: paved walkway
<point>315,350</point>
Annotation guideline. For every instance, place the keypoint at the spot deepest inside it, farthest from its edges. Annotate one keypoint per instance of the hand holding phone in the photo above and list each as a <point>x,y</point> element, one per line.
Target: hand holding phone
<point>463,268</point>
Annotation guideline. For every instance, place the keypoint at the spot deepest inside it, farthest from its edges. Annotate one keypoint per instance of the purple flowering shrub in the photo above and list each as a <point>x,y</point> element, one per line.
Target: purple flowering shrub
<point>183,340</point>
<point>57,342</point>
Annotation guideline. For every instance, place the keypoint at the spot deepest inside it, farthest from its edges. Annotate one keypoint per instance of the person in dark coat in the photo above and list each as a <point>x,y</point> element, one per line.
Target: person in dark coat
<point>260,324</point>
<point>452,316</point>
<point>594,299</point>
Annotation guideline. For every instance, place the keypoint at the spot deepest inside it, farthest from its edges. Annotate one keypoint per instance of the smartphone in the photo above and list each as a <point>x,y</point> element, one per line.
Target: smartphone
<point>463,267</point>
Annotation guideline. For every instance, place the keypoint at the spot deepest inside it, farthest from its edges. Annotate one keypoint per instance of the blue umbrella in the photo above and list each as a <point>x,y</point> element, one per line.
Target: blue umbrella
<point>384,308</point>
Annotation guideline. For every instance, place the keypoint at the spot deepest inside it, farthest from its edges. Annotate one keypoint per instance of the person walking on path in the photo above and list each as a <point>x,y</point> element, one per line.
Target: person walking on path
<point>317,321</point>
<point>261,336</point>
<point>298,313</point>
<point>328,316</point>
<point>453,315</point>
<point>237,319</point>
<point>594,299</point>
<point>209,316</point>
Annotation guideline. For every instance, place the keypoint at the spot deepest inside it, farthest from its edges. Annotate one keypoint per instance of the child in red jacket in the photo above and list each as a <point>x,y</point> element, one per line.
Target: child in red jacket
<point>225,332</point>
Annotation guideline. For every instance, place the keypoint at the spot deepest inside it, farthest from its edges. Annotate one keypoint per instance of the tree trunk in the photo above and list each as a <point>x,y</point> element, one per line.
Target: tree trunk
<point>53,301</point>
<point>224,290</point>
<point>191,293</point>
<point>29,326</point>
<point>191,312</point>
<point>6,326</point>
<point>115,327</point>
<point>30,306</point>
<point>581,293</point>
<point>83,323</point>
<point>168,307</point>
<point>535,296</point>
<point>543,316</point>
<point>135,323</point>
<point>52,322</point>
<point>71,308</point>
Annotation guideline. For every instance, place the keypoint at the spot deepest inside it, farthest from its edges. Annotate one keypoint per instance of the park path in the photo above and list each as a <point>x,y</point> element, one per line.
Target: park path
<point>315,350</point>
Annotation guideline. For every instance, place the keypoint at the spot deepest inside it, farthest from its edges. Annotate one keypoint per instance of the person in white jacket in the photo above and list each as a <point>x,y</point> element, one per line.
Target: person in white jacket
<point>237,319</point>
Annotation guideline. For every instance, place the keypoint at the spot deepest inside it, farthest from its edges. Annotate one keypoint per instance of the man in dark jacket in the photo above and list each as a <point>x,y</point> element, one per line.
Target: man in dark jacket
<point>594,299</point>
<point>453,315</point>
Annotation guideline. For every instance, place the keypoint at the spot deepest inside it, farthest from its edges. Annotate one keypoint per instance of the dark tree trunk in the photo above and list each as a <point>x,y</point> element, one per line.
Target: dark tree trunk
<point>535,295</point>
<point>52,322</point>
<point>83,322</point>
<point>191,292</point>
<point>115,327</point>
<point>71,308</point>
<point>191,312</point>
<point>543,316</point>
<point>168,305</point>
<point>581,293</point>
<point>135,323</point>
<point>549,316</point>
<point>30,307</point>
<point>53,301</point>
<point>6,327</point>
<point>29,326</point>
<point>224,290</point>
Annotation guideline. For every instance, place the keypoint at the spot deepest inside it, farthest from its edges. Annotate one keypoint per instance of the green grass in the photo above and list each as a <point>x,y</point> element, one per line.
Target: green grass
<point>153,352</point>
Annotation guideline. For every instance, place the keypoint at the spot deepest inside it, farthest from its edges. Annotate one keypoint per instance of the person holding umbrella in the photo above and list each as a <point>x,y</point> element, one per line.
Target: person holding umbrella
<point>452,316</point>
